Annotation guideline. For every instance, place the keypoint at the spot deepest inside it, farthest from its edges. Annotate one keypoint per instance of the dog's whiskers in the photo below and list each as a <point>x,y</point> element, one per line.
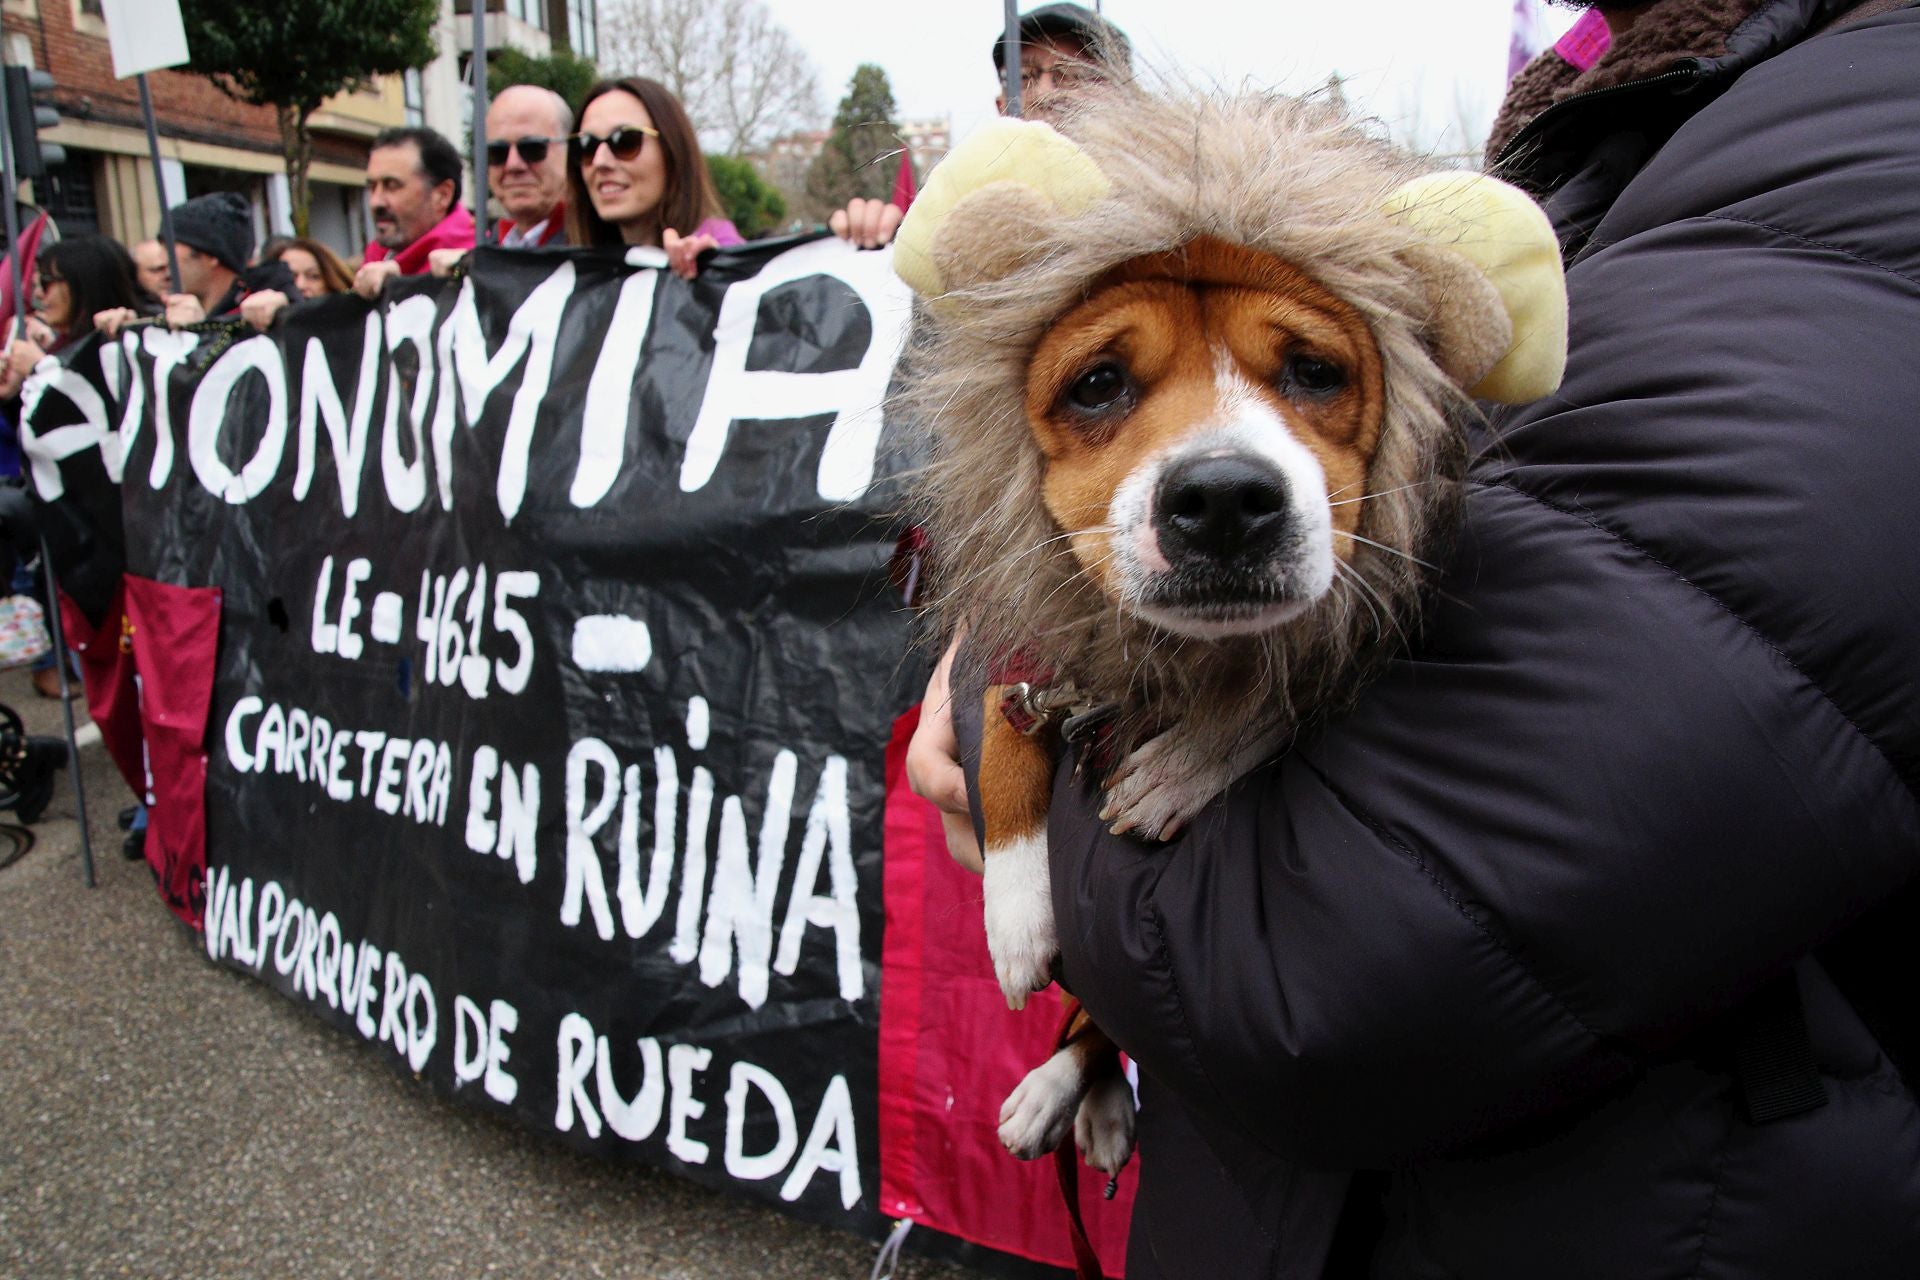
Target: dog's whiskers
<point>1359,580</point>
<point>1369,497</point>
<point>1346,580</point>
<point>1392,551</point>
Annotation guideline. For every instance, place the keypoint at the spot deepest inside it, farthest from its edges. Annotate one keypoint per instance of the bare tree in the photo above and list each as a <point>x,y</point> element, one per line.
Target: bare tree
<point>742,76</point>
<point>1449,136</point>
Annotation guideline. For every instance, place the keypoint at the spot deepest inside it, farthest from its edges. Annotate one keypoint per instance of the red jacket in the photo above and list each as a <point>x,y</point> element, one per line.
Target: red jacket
<point>455,231</point>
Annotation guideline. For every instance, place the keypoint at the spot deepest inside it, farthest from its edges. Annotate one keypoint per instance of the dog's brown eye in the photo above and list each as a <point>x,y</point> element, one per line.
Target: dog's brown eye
<point>1100,389</point>
<point>1311,375</point>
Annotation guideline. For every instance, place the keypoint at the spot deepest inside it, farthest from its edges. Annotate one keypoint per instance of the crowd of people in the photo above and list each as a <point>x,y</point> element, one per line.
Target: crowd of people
<point>1442,992</point>
<point>630,172</point>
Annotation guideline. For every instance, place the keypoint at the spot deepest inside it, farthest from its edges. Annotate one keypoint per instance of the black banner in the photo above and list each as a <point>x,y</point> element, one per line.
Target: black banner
<point>557,659</point>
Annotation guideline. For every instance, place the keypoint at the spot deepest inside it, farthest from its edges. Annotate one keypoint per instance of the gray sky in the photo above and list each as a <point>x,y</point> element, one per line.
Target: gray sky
<point>1420,65</point>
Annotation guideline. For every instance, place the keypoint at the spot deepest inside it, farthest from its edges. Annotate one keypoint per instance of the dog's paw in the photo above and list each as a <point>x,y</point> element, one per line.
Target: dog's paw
<point>1103,1126</point>
<point>1019,911</point>
<point>1160,787</point>
<point>1037,1114</point>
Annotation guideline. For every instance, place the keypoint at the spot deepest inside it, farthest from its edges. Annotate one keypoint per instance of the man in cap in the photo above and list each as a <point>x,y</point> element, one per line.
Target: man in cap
<point>212,240</point>
<point>1065,49</point>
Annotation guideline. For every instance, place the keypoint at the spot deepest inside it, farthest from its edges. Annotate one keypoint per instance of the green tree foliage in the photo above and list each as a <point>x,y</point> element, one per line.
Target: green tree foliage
<point>292,55</point>
<point>564,73</point>
<point>752,205</point>
<point>859,156</point>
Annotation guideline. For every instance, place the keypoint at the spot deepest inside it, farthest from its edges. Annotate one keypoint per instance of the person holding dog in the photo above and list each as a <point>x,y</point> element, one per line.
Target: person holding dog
<point>1571,947</point>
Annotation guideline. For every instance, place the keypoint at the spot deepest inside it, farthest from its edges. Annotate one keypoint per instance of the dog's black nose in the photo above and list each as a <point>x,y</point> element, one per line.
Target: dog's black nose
<point>1220,506</point>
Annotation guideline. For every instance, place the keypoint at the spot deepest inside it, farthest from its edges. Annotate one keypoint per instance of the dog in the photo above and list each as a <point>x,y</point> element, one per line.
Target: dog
<point>1199,373</point>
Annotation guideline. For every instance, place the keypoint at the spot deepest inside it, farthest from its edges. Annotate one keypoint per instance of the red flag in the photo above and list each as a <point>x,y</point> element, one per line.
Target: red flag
<point>903,186</point>
<point>149,681</point>
<point>950,1051</point>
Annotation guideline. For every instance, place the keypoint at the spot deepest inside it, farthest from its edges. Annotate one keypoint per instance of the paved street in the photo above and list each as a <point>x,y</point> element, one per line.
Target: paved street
<point>167,1118</point>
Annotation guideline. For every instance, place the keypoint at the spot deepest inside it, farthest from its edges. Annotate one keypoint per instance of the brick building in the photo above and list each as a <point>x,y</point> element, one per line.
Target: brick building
<point>208,142</point>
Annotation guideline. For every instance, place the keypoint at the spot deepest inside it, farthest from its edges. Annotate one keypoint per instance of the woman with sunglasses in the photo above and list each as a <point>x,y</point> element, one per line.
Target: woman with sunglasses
<point>72,281</point>
<point>636,176</point>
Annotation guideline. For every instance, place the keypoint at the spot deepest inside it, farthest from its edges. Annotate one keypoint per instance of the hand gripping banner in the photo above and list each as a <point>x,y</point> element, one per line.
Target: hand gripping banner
<point>517,680</point>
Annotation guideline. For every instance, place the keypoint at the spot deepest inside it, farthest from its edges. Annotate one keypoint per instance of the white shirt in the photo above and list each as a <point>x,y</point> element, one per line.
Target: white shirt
<point>518,239</point>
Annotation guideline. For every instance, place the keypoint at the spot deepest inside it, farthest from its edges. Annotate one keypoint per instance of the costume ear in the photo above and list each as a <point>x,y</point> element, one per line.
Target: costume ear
<point>1493,271</point>
<point>973,221</point>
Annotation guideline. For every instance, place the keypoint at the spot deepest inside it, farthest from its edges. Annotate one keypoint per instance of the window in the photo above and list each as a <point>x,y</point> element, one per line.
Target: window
<point>531,12</point>
<point>413,96</point>
<point>583,28</point>
<point>67,194</point>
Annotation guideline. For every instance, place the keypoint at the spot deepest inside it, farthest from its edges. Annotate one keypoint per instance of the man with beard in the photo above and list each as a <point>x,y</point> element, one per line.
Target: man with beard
<point>212,240</point>
<point>1578,947</point>
<point>413,195</point>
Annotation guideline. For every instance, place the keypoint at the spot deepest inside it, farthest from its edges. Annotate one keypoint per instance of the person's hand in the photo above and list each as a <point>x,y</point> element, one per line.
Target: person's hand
<point>23,354</point>
<point>933,765</point>
<point>39,333</point>
<point>868,224</point>
<point>111,321</point>
<point>443,262</point>
<point>683,252</point>
<point>372,277</point>
<point>259,309</point>
<point>184,309</point>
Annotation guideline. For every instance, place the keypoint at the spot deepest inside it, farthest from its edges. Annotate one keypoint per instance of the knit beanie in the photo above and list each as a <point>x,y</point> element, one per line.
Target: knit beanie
<point>219,224</point>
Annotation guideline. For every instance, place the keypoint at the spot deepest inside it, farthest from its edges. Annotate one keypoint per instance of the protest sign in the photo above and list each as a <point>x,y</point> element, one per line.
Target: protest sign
<point>523,686</point>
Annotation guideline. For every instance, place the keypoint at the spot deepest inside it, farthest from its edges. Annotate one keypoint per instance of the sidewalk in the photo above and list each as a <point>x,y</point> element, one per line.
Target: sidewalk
<point>167,1118</point>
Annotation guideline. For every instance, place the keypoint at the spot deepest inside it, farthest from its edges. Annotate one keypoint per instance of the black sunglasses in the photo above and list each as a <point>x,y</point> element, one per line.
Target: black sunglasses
<point>625,142</point>
<point>532,150</point>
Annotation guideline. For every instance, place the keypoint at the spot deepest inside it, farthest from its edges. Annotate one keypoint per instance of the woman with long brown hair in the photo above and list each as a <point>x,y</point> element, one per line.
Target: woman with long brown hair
<point>317,270</point>
<point>636,176</point>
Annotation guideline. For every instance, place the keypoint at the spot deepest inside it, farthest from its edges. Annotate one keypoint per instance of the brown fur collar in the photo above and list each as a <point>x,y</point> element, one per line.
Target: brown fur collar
<point>1667,32</point>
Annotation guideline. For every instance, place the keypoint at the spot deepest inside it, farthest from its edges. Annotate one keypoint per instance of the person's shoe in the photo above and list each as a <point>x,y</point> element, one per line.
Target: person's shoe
<point>46,682</point>
<point>134,847</point>
<point>127,815</point>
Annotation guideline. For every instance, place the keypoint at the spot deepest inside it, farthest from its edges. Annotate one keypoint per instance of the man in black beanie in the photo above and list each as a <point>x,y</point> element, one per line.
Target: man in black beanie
<point>213,238</point>
<point>213,235</point>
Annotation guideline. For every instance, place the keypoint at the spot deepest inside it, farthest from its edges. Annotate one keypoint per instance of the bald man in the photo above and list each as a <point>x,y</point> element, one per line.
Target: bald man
<point>150,268</point>
<point>527,128</point>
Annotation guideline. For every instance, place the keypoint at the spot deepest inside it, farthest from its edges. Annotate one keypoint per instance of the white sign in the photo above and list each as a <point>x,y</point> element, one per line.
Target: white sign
<point>145,35</point>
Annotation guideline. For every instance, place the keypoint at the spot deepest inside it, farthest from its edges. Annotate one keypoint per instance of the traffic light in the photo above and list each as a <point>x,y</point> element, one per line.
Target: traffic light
<point>27,115</point>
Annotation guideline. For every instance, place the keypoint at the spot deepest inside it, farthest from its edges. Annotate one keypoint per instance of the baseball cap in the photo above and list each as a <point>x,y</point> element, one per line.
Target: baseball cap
<point>1099,38</point>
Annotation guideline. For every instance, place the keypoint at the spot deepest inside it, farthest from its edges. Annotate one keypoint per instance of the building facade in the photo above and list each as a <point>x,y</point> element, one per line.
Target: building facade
<point>210,142</point>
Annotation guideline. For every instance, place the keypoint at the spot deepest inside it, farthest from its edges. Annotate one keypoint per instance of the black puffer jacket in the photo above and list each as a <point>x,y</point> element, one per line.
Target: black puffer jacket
<point>1474,982</point>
